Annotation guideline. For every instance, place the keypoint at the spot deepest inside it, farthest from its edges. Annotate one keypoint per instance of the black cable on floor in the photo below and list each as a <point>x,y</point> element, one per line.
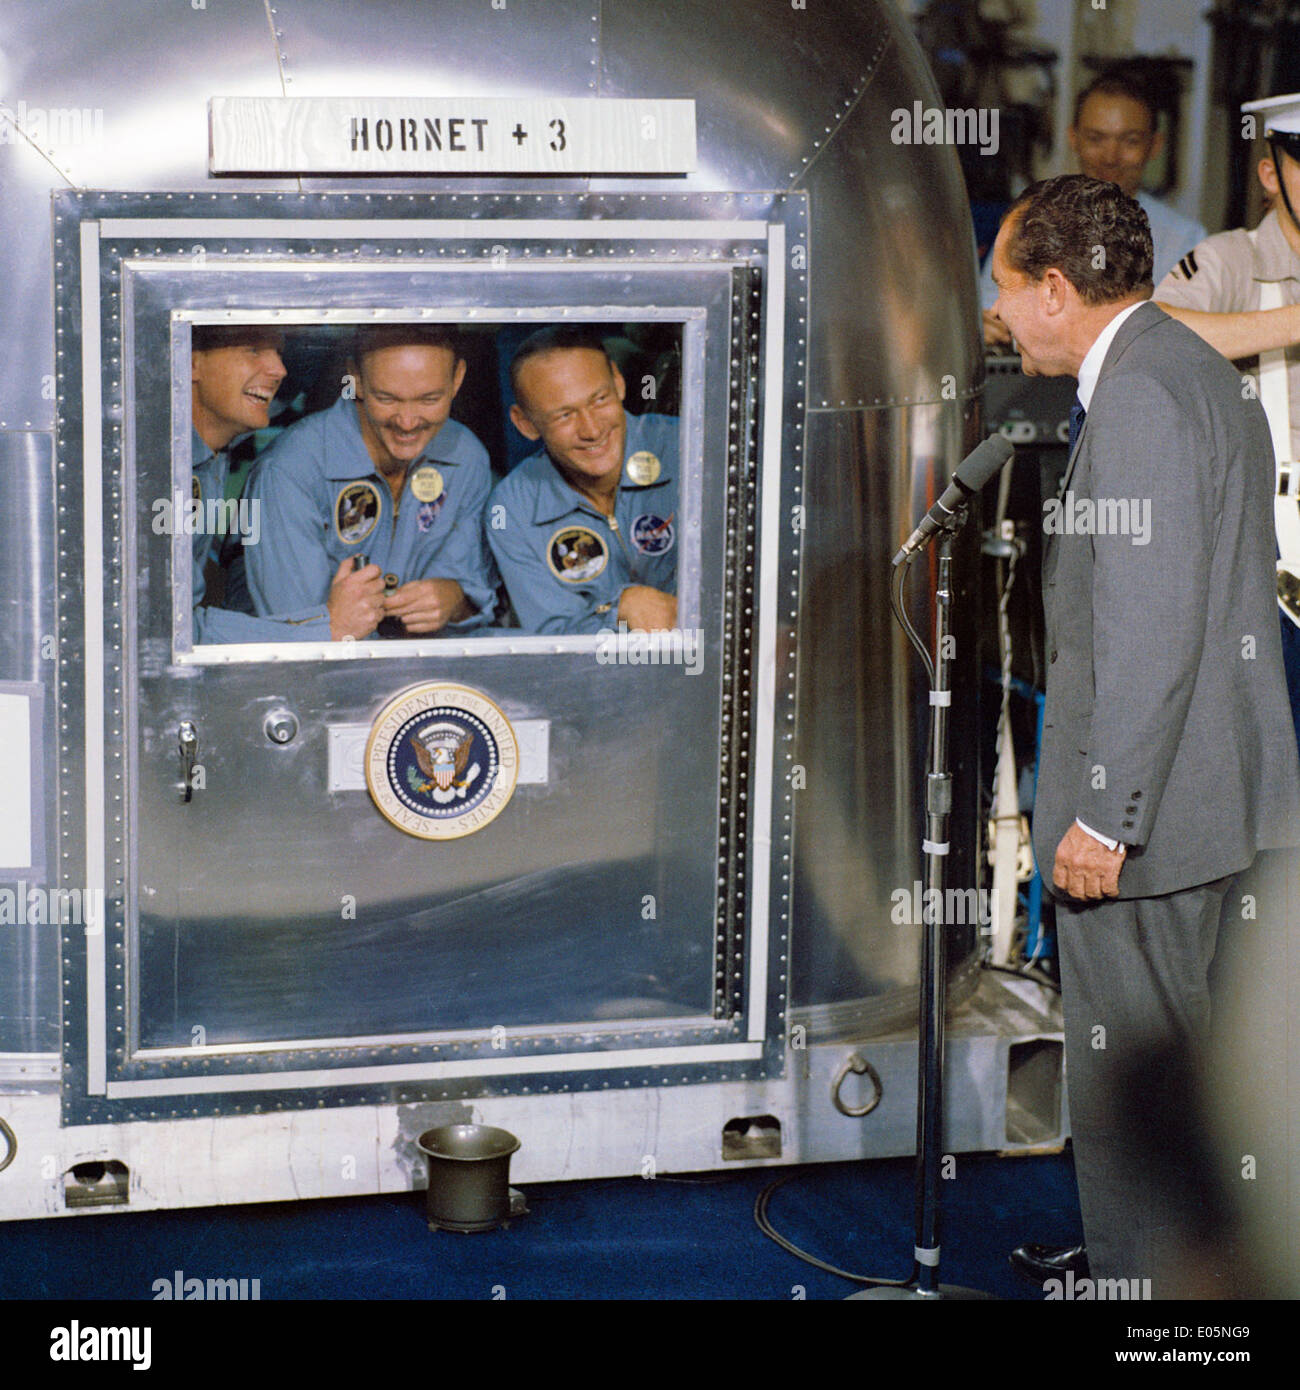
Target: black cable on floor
<point>770,1231</point>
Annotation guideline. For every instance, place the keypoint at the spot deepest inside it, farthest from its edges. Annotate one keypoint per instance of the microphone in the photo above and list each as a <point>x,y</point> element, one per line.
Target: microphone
<point>972,473</point>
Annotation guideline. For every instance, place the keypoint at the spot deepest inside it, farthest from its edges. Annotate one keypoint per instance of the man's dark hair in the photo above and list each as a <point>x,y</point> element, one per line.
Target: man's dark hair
<point>1121,81</point>
<point>557,337</point>
<point>375,337</point>
<point>207,337</point>
<point>1093,233</point>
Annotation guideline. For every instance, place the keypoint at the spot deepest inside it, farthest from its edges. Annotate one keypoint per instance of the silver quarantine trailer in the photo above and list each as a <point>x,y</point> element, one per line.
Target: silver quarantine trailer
<point>673,925</point>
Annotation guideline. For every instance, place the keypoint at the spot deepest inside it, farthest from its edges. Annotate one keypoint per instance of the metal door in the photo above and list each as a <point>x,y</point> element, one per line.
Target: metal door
<point>275,940</point>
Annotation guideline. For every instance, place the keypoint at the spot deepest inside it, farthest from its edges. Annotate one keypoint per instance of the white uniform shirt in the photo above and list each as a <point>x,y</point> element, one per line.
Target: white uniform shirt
<point>1223,275</point>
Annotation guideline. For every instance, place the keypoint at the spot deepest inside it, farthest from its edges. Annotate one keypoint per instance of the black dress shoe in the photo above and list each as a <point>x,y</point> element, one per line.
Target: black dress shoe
<point>1043,1262</point>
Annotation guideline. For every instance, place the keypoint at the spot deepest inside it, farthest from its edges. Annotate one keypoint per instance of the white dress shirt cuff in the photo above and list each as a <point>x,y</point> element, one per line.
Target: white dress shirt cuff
<point>1105,839</point>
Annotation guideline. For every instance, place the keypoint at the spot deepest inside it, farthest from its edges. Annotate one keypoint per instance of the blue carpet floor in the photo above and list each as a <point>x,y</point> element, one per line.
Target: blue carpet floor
<point>361,1284</point>
<point>669,1238</point>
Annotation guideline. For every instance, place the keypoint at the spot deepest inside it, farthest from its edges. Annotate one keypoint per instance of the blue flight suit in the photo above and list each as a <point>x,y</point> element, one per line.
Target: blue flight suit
<point>312,624</point>
<point>322,500</point>
<point>566,563</point>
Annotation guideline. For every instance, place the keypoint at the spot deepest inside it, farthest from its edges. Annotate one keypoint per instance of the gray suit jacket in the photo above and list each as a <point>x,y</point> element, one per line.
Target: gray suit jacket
<point>1167,724</point>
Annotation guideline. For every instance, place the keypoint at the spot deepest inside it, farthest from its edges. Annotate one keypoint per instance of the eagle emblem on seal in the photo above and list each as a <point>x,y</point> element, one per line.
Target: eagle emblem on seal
<point>442,753</point>
<point>441,761</point>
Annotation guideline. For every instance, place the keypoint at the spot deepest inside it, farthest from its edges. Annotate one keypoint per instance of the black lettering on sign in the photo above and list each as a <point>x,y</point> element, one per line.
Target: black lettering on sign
<point>431,132</point>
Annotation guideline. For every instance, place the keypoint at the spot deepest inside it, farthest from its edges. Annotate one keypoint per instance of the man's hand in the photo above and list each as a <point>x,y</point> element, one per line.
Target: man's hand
<point>356,601</point>
<point>428,605</point>
<point>996,333</point>
<point>647,610</point>
<point>1085,868</point>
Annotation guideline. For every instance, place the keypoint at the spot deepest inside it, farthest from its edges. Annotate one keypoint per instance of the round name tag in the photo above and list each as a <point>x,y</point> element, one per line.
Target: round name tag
<point>441,761</point>
<point>426,483</point>
<point>643,468</point>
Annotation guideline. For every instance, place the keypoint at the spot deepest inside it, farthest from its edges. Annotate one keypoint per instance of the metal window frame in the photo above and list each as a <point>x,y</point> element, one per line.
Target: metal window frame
<point>749,1046</point>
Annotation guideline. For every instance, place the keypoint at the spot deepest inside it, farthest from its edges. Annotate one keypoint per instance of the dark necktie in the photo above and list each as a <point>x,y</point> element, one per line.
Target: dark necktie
<point>1077,417</point>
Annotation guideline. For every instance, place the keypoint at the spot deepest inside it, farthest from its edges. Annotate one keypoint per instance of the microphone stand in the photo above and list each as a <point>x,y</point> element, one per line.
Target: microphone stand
<point>924,1281</point>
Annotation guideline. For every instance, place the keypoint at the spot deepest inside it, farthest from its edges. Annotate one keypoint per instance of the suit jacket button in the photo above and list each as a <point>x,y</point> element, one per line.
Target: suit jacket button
<point>1053,657</point>
<point>1135,795</point>
<point>1132,810</point>
<point>1128,825</point>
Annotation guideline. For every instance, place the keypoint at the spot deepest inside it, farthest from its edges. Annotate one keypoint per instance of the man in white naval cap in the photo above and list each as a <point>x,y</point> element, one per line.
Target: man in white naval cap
<point>1240,290</point>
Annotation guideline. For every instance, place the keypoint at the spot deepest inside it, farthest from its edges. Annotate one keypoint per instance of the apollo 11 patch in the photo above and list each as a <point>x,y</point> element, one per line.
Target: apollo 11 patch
<point>356,512</point>
<point>576,554</point>
<point>441,761</point>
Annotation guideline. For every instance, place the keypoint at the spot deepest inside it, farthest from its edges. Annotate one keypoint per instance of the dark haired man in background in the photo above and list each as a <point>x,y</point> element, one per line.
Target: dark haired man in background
<point>1114,136</point>
<point>383,476</point>
<point>1168,758</point>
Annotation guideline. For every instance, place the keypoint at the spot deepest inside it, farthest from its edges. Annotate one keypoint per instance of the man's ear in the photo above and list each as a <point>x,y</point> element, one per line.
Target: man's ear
<point>1057,286</point>
<point>523,424</point>
<point>619,384</point>
<point>194,366</point>
<point>1268,179</point>
<point>458,377</point>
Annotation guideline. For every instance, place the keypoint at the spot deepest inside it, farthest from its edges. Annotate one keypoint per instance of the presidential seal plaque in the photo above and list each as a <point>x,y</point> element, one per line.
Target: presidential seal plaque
<point>441,761</point>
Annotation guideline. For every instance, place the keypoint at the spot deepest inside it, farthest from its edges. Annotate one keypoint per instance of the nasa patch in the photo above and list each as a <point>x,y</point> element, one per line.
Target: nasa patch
<point>441,761</point>
<point>651,534</point>
<point>428,514</point>
<point>356,512</point>
<point>576,554</point>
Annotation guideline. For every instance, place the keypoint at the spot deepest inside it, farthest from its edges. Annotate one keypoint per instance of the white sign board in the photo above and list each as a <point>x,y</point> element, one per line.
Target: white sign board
<point>450,135</point>
<point>15,781</point>
<point>347,754</point>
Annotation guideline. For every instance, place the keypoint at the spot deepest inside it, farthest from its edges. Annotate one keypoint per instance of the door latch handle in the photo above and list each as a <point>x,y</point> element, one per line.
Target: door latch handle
<point>188,746</point>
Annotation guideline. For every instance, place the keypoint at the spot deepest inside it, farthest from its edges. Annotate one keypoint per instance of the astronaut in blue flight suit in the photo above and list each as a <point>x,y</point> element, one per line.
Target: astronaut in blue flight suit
<point>235,371</point>
<point>387,476</point>
<point>585,530</point>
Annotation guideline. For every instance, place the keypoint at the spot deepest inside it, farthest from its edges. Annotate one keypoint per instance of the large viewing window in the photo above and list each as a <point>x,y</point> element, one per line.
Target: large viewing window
<point>218,506</point>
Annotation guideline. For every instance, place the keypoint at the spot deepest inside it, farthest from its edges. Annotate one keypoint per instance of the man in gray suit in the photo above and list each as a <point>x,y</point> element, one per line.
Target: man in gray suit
<point>1168,757</point>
